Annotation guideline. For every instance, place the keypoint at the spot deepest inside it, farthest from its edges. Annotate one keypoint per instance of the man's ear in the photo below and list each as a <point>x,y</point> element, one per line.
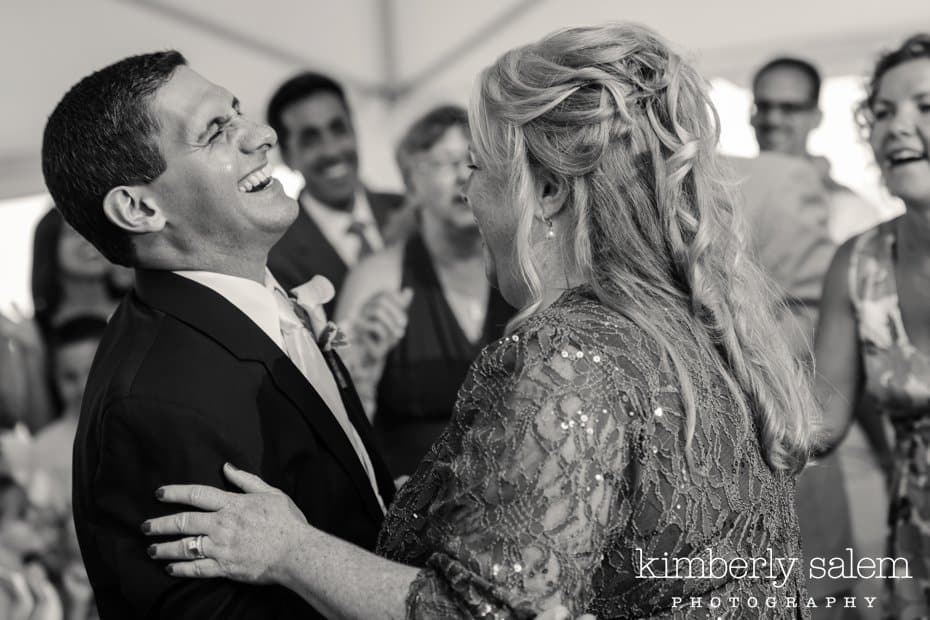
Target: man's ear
<point>551,194</point>
<point>133,209</point>
<point>818,117</point>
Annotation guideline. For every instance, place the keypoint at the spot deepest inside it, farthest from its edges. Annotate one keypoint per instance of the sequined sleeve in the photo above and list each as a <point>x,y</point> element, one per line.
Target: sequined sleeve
<point>536,477</point>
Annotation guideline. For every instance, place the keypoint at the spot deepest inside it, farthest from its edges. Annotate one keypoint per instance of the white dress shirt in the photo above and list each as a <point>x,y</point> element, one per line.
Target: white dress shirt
<point>334,224</point>
<point>261,305</point>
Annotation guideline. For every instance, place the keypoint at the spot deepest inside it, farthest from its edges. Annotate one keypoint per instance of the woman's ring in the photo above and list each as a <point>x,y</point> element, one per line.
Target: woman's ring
<point>195,547</point>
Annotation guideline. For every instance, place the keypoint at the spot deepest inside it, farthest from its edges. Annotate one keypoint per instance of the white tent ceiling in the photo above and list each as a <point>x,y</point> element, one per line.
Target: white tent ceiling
<point>396,56</point>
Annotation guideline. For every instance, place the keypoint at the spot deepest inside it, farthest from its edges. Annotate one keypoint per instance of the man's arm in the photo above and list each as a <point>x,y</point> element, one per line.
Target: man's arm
<point>143,445</point>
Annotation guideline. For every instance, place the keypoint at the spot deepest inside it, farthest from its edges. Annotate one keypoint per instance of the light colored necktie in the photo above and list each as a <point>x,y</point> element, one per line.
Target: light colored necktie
<point>303,351</point>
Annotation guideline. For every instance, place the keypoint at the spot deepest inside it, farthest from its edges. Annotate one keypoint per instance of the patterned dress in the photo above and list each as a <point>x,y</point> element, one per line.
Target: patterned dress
<point>563,478</point>
<point>897,378</point>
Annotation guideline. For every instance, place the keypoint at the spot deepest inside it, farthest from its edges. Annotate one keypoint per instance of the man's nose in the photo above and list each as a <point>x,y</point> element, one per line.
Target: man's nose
<point>332,146</point>
<point>257,137</point>
<point>773,115</point>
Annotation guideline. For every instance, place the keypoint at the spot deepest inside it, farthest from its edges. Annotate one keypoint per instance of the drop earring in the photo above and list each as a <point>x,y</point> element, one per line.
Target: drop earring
<point>550,234</point>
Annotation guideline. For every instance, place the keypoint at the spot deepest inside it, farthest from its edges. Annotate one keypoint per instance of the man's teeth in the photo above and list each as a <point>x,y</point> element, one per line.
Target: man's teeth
<point>258,179</point>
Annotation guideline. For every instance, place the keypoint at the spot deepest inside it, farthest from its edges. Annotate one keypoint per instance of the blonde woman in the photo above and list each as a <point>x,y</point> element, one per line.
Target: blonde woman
<point>641,405</point>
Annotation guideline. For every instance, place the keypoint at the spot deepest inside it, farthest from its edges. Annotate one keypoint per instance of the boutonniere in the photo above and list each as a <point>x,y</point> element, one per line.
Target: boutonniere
<point>332,337</point>
<point>311,297</point>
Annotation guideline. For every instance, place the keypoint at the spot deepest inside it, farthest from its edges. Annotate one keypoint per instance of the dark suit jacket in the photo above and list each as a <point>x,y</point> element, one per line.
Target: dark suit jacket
<point>304,252</point>
<point>183,382</point>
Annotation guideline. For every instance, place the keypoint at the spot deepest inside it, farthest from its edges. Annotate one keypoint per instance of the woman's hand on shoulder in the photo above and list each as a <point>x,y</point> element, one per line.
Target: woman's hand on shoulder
<point>241,536</point>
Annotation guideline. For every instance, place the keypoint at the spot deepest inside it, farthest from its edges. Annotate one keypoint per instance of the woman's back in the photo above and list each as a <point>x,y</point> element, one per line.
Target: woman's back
<point>564,477</point>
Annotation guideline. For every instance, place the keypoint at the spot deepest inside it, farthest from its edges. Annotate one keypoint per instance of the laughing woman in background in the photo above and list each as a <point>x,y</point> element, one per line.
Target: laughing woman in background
<point>873,339</point>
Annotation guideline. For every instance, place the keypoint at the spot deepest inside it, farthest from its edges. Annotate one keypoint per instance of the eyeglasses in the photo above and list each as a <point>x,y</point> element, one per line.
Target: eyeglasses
<point>785,107</point>
<point>447,163</point>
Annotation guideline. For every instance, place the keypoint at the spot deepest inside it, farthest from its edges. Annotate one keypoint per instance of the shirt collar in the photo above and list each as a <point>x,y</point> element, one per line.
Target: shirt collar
<point>254,300</point>
<point>361,209</point>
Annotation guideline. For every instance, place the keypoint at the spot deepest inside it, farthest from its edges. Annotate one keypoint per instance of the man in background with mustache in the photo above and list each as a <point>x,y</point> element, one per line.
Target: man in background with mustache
<point>786,110</point>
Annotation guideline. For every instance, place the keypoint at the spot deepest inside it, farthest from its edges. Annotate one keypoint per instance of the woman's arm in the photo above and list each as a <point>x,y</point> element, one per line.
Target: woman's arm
<point>273,543</point>
<point>374,313</point>
<point>838,363</point>
<point>339,579</point>
<point>355,584</point>
<point>547,461</point>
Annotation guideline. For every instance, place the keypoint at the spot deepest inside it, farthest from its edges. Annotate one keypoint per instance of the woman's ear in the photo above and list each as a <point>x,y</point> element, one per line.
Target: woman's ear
<point>133,209</point>
<point>552,193</point>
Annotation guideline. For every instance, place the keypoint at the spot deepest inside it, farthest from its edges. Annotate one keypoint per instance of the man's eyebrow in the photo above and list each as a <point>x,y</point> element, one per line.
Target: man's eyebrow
<point>218,121</point>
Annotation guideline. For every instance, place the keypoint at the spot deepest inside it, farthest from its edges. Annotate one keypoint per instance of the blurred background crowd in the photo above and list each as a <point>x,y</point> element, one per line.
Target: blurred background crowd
<point>370,96</point>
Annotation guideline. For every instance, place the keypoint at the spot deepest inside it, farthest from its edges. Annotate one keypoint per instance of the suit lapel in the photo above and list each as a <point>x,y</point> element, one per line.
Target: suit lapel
<point>379,209</point>
<point>314,244</point>
<point>211,314</point>
<point>304,252</point>
<point>314,251</point>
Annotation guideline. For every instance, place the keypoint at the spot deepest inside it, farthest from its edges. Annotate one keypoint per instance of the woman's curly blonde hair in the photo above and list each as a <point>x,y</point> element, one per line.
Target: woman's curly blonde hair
<point>628,127</point>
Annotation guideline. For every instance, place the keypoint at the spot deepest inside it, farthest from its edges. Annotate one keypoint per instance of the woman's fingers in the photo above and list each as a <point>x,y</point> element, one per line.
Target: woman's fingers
<point>23,601</point>
<point>250,483</point>
<point>183,549</point>
<point>48,602</point>
<point>201,569</point>
<point>181,523</point>
<point>388,308</point>
<point>198,495</point>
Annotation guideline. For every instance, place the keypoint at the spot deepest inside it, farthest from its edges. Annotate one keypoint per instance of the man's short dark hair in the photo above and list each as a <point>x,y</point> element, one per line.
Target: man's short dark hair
<point>802,66</point>
<point>427,131</point>
<point>101,135</point>
<point>296,89</point>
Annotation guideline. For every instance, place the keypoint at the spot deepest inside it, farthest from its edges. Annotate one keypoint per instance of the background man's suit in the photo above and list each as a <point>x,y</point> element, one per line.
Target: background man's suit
<point>304,252</point>
<point>183,382</point>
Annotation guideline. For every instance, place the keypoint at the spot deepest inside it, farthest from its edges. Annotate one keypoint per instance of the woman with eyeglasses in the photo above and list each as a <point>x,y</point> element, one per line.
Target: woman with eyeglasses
<point>873,337</point>
<point>428,295</point>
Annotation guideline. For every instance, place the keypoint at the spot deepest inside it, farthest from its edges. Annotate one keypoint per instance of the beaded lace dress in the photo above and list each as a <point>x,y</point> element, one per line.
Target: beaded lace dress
<point>564,470</point>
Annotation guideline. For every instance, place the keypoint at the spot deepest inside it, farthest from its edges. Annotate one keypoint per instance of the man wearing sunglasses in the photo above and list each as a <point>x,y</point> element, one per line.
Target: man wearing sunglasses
<point>786,109</point>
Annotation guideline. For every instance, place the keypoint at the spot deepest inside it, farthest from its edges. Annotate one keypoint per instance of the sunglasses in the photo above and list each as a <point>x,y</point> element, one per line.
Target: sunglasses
<point>785,107</point>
